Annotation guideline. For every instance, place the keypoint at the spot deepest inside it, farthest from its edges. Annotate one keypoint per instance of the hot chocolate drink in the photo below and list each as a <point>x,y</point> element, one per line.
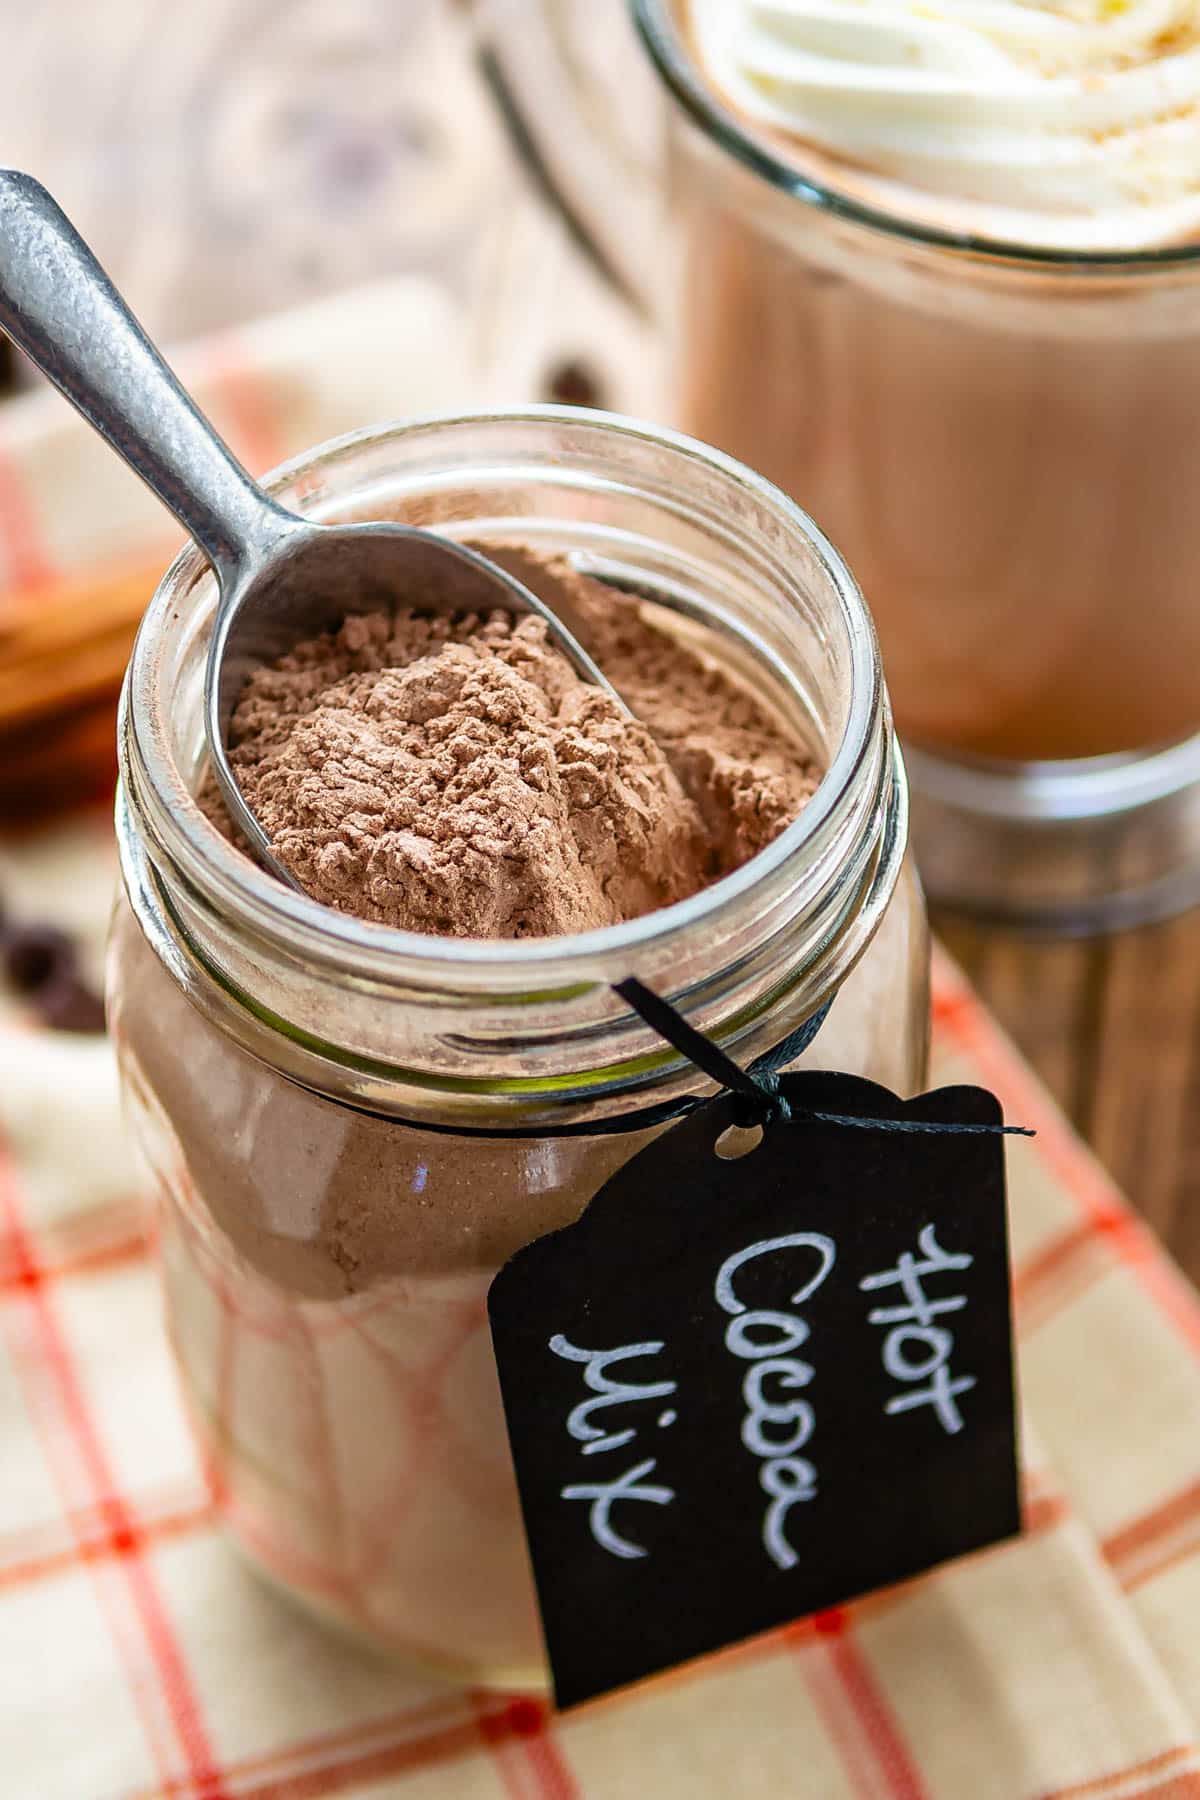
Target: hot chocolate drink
<point>942,284</point>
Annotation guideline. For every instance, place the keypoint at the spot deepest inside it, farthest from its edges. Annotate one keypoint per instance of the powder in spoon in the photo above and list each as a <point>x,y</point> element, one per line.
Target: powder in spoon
<point>458,777</point>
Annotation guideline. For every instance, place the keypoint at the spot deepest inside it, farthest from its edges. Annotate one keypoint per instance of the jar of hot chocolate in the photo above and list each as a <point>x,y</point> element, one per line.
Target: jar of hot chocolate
<point>360,1100</point>
<point>940,280</point>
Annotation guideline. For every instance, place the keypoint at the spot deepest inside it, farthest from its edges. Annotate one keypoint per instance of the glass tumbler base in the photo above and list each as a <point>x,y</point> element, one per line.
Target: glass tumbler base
<point>1063,848</point>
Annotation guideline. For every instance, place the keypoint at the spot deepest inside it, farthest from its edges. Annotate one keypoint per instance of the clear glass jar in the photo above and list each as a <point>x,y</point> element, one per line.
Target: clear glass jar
<point>1004,441</point>
<point>297,1076</point>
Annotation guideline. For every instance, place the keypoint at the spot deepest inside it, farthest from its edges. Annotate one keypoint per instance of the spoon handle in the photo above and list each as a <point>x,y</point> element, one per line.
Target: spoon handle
<point>59,306</point>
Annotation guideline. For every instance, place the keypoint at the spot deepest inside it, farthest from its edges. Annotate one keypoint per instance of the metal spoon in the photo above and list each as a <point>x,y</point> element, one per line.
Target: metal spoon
<point>280,578</point>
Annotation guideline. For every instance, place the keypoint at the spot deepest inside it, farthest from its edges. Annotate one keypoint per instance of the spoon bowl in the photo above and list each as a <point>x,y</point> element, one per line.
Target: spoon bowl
<point>306,578</point>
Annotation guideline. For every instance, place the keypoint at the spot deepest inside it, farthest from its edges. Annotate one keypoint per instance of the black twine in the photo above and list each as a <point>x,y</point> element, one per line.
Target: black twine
<point>757,1099</point>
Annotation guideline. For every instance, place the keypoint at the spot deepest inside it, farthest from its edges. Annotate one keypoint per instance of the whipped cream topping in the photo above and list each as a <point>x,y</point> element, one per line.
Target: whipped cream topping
<point>1065,121</point>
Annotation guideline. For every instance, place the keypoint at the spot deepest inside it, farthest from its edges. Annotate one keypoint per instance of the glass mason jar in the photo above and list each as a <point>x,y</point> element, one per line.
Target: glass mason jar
<point>297,1077</point>
<point>1004,441</point>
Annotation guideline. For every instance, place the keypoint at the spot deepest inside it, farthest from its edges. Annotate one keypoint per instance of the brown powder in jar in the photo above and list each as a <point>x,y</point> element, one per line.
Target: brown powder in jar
<point>458,777</point>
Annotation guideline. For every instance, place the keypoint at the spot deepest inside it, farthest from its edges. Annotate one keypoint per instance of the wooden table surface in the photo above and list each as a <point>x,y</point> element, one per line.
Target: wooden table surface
<point>1112,1026</point>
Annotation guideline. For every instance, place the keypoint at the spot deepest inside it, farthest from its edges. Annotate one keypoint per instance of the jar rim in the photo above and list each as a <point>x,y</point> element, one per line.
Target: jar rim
<point>663,41</point>
<point>230,881</point>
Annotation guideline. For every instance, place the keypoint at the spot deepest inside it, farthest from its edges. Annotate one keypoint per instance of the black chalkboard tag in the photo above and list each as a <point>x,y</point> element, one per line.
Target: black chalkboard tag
<point>742,1391</point>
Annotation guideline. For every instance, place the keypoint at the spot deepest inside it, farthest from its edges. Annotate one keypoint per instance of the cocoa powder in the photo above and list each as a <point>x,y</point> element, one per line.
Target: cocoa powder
<point>459,777</point>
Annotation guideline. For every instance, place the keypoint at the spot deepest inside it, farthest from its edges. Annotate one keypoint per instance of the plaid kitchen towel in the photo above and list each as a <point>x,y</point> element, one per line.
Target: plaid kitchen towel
<point>140,1658</point>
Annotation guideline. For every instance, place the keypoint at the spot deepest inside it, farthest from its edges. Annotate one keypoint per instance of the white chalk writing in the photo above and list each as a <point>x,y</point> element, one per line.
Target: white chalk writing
<point>916,1349</point>
<point>629,1486</point>
<point>774,1427</point>
<point>595,1440</point>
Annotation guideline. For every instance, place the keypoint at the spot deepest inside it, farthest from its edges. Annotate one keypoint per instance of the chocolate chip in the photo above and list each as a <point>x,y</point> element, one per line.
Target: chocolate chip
<point>574,382</point>
<point>36,956</point>
<point>68,1004</point>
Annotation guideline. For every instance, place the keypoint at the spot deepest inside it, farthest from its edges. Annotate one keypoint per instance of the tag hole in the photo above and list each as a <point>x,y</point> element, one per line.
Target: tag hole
<point>738,1140</point>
